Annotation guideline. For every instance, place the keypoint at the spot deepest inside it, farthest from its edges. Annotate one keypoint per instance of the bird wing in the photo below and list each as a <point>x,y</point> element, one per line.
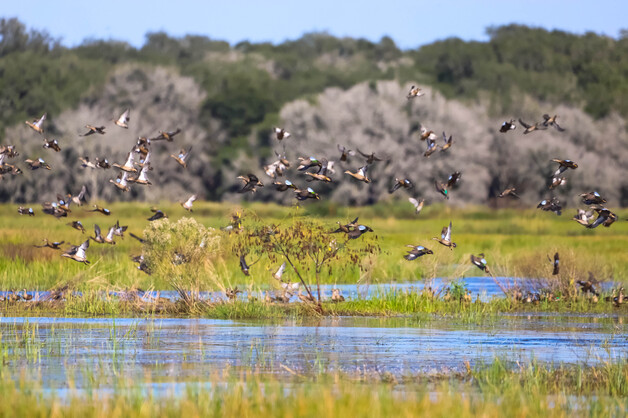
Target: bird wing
<point>129,160</point>
<point>448,232</point>
<point>40,121</point>
<point>123,179</point>
<point>96,230</point>
<point>525,125</point>
<point>80,252</point>
<point>124,117</point>
<point>190,200</point>
<point>414,202</point>
<point>82,193</point>
<point>280,271</point>
<point>142,176</point>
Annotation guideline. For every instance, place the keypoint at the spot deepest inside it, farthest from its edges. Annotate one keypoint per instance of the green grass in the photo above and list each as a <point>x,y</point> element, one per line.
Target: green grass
<point>413,304</point>
<point>532,390</point>
<point>516,243</point>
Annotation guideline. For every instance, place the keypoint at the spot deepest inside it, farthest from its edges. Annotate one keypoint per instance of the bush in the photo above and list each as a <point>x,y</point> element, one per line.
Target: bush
<point>184,254</point>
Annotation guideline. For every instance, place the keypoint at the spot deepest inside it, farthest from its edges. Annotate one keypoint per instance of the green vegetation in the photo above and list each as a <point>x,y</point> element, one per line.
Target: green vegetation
<point>178,261</point>
<point>516,243</point>
<point>246,84</point>
<point>494,391</point>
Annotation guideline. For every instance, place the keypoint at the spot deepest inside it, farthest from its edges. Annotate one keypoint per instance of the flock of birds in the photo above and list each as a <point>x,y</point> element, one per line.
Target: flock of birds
<point>136,168</point>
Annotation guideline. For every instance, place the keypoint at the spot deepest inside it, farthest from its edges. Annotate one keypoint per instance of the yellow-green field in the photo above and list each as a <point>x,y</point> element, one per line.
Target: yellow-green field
<point>516,243</point>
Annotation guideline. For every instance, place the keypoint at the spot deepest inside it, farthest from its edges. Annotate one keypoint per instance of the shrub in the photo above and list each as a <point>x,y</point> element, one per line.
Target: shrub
<point>184,254</point>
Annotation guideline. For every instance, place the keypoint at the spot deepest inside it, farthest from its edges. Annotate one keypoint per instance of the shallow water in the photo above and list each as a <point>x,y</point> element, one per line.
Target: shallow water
<point>179,350</point>
<point>482,287</point>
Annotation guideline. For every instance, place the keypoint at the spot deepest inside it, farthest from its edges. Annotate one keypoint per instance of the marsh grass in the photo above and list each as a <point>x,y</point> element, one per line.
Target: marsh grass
<point>516,243</point>
<point>532,390</point>
<point>424,304</point>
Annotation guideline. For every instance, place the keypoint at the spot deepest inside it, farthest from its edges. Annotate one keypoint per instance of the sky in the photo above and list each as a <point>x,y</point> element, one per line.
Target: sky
<point>408,23</point>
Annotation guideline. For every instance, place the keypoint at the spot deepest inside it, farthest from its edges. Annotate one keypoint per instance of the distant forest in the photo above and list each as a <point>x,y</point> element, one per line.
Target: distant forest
<point>244,87</point>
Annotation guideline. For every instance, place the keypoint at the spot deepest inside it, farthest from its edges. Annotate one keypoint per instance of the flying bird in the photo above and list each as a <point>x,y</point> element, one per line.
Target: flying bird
<point>78,253</point>
<point>187,205</point>
<point>371,158</point>
<point>416,252</point>
<point>283,186</point>
<point>182,157</point>
<point>281,133</point>
<point>583,217</point>
<point>38,163</point>
<point>167,135</point>
<point>414,93</point>
<point>552,205</point>
<point>563,165</point>
<point>38,124</point>
<point>128,164</point>
<point>345,153</point>
<point>592,198</point>
<point>360,174</point>
<point>158,214</point>
<point>445,237</point>
<point>508,126</point>
<point>251,182</point>
<point>306,194</point>
<point>551,121</point>
<point>531,128</point>
<point>55,245</point>
<point>403,182</point>
<point>100,209</point>
<point>52,144</point>
<point>122,181</point>
<point>509,192</point>
<point>123,120</point>
<point>448,142</point>
<point>94,130</point>
<point>418,205</point>
<point>480,262</point>
<point>77,225</point>
<point>555,264</point>
<point>25,211</point>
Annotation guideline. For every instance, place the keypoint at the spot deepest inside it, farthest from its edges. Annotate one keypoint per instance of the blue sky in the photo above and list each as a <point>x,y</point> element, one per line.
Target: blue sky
<point>409,23</point>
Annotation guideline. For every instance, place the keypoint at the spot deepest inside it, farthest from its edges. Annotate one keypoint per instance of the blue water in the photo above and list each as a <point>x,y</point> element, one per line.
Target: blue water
<point>179,350</point>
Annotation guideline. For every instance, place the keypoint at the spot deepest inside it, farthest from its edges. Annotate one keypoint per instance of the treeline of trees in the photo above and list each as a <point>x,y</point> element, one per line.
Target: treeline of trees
<point>248,83</point>
<point>240,91</point>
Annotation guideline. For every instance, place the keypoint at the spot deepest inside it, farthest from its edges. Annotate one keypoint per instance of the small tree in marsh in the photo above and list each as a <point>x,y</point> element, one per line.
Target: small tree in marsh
<point>309,248</point>
<point>184,254</point>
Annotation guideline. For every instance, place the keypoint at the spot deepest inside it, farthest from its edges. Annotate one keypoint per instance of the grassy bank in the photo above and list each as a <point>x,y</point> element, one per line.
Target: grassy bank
<point>531,390</point>
<point>400,303</point>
